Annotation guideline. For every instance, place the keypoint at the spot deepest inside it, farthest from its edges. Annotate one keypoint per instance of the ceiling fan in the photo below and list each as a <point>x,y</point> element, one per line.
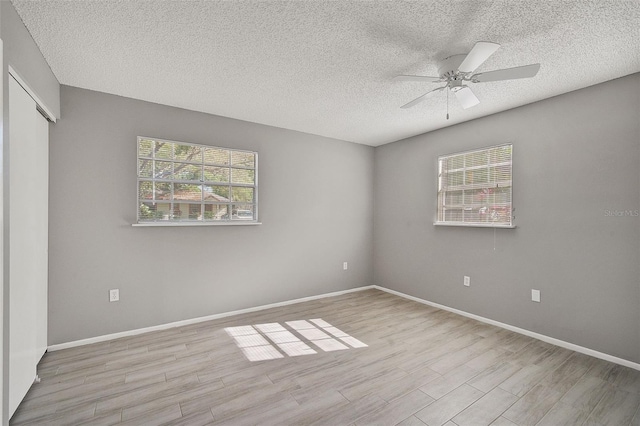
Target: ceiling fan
<point>457,70</point>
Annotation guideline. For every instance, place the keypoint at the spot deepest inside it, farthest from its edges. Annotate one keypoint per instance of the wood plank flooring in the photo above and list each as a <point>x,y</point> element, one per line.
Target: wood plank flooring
<point>422,366</point>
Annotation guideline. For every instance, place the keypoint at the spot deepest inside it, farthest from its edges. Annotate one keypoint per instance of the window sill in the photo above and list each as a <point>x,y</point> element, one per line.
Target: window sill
<point>474,225</point>
<point>161,224</point>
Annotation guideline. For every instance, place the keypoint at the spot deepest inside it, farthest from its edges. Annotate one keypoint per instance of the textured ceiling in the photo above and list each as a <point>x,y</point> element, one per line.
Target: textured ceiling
<point>326,67</point>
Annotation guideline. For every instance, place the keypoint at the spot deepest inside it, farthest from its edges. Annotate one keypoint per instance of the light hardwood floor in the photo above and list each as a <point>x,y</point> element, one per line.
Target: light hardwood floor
<point>422,366</point>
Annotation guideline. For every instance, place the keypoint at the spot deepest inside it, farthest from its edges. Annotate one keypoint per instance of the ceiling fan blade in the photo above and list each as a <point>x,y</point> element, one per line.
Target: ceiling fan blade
<point>480,53</point>
<point>420,98</point>
<point>466,98</point>
<point>526,71</point>
<point>416,78</point>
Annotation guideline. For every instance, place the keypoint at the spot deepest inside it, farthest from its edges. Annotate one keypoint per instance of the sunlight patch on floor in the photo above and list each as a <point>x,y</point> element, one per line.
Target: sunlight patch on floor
<point>262,342</point>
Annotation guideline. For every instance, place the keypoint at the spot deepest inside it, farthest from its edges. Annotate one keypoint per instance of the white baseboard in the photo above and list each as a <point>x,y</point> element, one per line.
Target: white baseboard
<point>108,337</point>
<point>551,340</point>
<point>519,330</point>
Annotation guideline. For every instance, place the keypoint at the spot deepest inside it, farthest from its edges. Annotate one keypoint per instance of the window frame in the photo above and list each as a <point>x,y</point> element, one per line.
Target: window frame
<point>202,203</point>
<point>440,206</point>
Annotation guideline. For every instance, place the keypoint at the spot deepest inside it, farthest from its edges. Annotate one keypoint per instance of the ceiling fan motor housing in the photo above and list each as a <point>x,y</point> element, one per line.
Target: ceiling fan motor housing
<point>448,71</point>
<point>455,85</point>
<point>449,67</point>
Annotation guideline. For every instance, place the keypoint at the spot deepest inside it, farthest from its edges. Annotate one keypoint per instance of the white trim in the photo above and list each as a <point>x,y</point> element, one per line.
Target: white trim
<point>47,112</point>
<point>108,337</point>
<point>474,225</point>
<point>519,330</point>
<point>473,151</point>
<point>194,223</point>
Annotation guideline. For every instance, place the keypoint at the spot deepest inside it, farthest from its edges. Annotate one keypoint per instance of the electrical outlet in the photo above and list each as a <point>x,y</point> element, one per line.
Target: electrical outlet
<point>345,266</point>
<point>535,295</point>
<point>467,281</point>
<point>114,295</point>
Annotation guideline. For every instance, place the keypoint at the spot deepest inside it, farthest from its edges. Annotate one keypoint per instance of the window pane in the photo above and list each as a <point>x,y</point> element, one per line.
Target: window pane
<point>163,170</point>
<point>495,213</point>
<point>216,156</point>
<point>453,215</point>
<point>195,211</point>
<point>453,197</point>
<point>500,173</point>
<point>455,162</point>
<point>471,215</point>
<point>244,159</point>
<point>501,154</point>
<point>187,172</point>
<point>477,196</point>
<point>242,176</point>
<point>489,196</point>
<point>242,212</point>
<point>145,168</point>
<point>163,211</point>
<point>455,179</point>
<point>163,191</point>
<point>180,211</point>
<point>216,193</point>
<point>242,194</point>
<point>187,192</point>
<point>145,148</point>
<point>216,212</point>
<point>502,195</point>
<point>216,174</point>
<point>188,153</point>
<point>476,176</point>
<point>154,211</point>
<point>148,211</point>
<point>478,158</point>
<point>164,150</point>
<point>145,190</point>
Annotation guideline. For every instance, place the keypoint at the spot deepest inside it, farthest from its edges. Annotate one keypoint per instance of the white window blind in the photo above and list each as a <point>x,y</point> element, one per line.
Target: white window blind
<point>475,187</point>
<point>184,182</point>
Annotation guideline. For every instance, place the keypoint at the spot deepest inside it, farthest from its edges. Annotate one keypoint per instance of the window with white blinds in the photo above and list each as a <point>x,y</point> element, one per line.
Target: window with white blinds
<point>475,188</point>
<point>184,182</point>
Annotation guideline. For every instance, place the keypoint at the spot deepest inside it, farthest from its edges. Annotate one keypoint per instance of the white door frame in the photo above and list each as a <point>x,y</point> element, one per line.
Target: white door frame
<point>7,72</point>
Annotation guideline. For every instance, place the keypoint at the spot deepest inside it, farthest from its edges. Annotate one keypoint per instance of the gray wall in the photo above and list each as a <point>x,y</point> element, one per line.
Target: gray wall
<point>576,156</point>
<point>316,206</point>
<point>22,53</point>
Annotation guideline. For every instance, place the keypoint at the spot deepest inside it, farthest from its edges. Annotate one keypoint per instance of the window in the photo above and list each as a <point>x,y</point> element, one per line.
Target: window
<point>183,182</point>
<point>474,188</point>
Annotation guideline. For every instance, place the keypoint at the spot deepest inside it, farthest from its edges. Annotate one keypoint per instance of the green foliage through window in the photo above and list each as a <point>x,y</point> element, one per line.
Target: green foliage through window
<point>187,182</point>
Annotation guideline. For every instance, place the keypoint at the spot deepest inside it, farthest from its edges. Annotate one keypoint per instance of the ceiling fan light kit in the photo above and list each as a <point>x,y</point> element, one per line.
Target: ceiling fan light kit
<point>458,70</point>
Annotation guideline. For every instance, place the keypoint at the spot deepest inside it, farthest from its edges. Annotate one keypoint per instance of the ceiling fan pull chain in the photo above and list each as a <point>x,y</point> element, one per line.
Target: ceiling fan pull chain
<point>447,104</point>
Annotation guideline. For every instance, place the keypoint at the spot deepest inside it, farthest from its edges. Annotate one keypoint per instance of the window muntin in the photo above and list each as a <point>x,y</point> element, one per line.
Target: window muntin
<point>475,187</point>
<point>184,182</point>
